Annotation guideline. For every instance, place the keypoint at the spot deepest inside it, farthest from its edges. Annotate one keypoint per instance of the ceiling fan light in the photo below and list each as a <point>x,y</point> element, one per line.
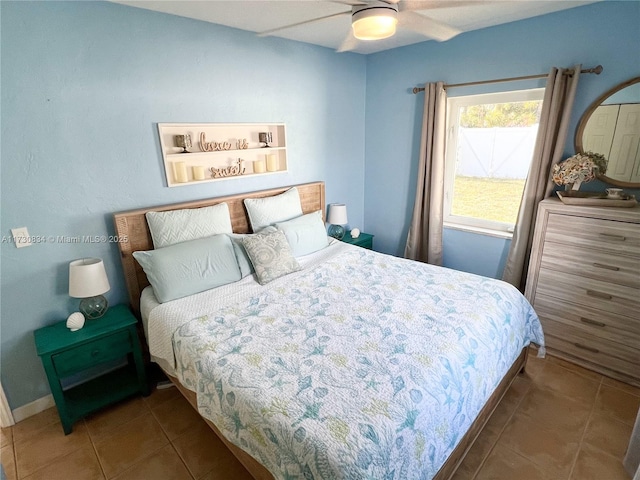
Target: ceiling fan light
<point>374,23</point>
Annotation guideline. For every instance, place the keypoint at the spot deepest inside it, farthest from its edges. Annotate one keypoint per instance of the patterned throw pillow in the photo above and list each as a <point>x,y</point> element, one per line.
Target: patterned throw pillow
<point>271,255</point>
<point>246,267</point>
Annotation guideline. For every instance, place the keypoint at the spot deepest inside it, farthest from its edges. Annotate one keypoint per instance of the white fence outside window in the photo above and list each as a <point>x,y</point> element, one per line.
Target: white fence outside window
<point>500,152</point>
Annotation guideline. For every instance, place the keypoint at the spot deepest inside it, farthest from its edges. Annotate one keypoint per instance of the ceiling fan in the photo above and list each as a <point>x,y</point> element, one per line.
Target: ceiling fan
<point>377,19</point>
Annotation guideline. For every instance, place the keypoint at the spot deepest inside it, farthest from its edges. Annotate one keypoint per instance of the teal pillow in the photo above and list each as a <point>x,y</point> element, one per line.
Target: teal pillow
<point>246,268</point>
<point>305,234</point>
<point>270,255</point>
<point>190,267</point>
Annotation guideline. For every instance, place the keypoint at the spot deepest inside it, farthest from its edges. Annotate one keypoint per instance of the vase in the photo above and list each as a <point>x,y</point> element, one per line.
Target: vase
<point>575,186</point>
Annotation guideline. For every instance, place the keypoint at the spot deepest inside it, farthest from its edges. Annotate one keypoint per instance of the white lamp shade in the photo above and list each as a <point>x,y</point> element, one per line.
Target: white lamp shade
<point>87,278</point>
<point>337,214</point>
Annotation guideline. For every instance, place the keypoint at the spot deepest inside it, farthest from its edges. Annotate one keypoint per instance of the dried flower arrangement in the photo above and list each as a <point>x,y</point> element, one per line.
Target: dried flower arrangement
<point>581,167</point>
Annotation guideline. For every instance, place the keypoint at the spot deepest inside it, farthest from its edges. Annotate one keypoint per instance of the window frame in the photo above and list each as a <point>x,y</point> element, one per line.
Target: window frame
<point>477,225</point>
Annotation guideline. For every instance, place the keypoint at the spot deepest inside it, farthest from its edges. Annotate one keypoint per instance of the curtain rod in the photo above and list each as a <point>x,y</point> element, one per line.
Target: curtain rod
<point>597,70</point>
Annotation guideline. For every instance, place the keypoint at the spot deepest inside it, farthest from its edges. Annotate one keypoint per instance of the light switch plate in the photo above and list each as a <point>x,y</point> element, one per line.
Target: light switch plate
<point>21,237</point>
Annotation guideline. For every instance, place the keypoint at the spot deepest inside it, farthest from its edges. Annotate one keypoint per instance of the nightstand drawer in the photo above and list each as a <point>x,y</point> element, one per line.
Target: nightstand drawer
<point>92,353</point>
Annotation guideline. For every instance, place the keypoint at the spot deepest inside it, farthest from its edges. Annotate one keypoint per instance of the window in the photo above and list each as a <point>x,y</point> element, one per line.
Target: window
<point>489,149</point>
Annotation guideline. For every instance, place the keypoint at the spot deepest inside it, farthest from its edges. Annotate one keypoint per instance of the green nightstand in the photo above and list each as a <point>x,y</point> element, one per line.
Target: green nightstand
<point>364,240</point>
<point>65,354</point>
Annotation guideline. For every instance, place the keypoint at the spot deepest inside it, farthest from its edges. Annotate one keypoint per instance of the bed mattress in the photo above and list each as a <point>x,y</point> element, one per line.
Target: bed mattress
<point>361,365</point>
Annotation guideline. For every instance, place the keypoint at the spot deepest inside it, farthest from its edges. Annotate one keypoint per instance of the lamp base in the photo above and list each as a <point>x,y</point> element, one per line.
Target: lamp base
<point>336,231</point>
<point>94,307</point>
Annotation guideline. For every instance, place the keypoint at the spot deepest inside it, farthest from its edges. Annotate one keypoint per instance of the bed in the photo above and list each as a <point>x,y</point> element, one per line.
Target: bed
<point>355,365</point>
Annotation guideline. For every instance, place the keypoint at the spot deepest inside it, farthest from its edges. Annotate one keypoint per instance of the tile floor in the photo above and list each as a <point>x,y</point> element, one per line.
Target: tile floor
<point>557,422</point>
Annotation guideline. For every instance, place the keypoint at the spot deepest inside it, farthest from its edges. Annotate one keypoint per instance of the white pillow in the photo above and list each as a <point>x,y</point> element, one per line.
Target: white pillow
<point>269,210</point>
<point>175,226</point>
<point>306,234</point>
<point>190,267</point>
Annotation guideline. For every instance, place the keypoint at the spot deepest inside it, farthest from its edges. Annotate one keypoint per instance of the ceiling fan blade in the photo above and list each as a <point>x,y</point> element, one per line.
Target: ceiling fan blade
<point>436,4</point>
<point>349,43</point>
<point>426,26</point>
<point>350,2</point>
<point>306,22</point>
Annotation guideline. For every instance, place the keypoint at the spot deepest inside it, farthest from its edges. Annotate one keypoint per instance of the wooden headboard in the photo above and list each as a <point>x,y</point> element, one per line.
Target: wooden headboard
<point>132,228</point>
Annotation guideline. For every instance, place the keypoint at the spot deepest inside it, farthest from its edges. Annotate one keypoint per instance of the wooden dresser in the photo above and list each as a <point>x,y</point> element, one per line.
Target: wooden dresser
<point>584,283</point>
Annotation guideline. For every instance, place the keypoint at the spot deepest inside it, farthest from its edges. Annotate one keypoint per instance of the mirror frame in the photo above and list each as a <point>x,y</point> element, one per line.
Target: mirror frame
<point>583,123</point>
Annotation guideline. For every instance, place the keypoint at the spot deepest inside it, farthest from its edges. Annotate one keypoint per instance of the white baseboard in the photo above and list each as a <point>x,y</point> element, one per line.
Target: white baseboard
<point>30,409</point>
<point>41,404</point>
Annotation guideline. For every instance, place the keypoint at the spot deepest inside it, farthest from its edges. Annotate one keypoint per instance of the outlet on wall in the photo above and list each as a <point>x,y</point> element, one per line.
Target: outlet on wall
<point>21,237</point>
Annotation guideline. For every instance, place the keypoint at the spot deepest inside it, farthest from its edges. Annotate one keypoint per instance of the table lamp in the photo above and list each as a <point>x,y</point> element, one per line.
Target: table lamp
<point>337,218</point>
<point>88,281</point>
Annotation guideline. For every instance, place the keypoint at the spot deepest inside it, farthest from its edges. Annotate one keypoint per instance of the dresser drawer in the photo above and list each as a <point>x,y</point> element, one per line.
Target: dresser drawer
<point>615,356</point>
<point>604,296</point>
<point>98,351</point>
<point>623,270</point>
<point>589,320</point>
<point>604,235</point>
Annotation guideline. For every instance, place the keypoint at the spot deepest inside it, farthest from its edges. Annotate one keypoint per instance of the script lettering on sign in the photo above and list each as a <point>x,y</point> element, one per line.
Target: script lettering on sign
<point>230,171</point>
<point>212,146</point>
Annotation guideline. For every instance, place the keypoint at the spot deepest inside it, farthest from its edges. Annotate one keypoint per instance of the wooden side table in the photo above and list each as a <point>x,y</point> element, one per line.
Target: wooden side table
<point>66,354</point>
<point>364,240</point>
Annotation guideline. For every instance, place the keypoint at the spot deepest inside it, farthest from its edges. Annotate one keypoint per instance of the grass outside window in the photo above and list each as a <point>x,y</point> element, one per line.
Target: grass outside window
<point>496,199</point>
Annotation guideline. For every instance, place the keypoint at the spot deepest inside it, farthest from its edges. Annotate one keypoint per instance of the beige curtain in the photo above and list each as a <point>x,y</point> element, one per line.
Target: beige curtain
<point>424,242</point>
<point>552,133</point>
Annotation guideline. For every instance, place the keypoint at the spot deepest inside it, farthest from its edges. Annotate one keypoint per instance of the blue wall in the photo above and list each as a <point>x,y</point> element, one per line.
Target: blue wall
<point>603,33</point>
<point>83,86</point>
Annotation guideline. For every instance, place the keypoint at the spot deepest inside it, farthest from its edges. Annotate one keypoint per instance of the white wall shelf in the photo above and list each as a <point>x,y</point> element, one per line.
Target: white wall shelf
<point>196,165</point>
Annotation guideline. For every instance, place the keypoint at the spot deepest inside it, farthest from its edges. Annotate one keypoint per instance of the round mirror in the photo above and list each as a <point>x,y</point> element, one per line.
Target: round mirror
<point>611,126</point>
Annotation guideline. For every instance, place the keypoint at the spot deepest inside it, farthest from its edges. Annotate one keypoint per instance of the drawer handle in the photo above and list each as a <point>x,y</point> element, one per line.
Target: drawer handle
<point>620,238</point>
<point>604,296</point>
<point>95,352</point>
<point>592,322</point>
<point>589,349</point>
<point>607,267</point>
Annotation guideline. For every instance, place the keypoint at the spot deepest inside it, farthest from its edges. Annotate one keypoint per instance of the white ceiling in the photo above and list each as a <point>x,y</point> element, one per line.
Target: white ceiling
<point>262,15</point>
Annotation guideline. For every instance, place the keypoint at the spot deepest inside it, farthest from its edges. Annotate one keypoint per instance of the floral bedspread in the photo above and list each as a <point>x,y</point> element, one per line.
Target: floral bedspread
<point>365,366</point>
